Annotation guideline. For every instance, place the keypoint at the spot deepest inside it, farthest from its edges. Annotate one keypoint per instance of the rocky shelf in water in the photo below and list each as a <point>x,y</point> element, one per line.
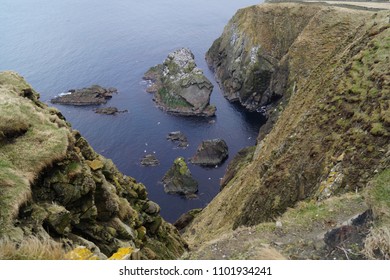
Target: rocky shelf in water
<point>109,111</point>
<point>150,160</point>
<point>179,138</point>
<point>180,87</point>
<point>94,95</point>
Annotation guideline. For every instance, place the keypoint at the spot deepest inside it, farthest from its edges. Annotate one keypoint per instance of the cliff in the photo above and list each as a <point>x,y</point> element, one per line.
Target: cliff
<point>324,72</point>
<point>56,190</point>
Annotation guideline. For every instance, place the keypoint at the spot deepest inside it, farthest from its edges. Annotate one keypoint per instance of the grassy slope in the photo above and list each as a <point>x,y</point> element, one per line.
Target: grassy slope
<point>30,141</point>
<point>339,82</point>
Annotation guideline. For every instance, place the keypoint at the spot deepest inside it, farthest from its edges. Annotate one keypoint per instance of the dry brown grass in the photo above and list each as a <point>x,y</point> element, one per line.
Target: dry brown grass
<point>31,249</point>
<point>377,244</point>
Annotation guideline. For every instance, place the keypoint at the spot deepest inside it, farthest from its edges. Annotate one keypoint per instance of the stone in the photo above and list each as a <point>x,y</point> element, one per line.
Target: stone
<point>95,164</point>
<point>150,160</point>
<point>179,138</point>
<point>179,86</point>
<point>109,111</point>
<point>151,208</point>
<point>179,180</point>
<point>210,153</point>
<point>94,95</point>
<point>58,219</point>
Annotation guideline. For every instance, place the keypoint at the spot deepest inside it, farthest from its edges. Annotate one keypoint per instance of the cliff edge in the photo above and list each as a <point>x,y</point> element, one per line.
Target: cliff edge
<point>57,192</point>
<point>325,70</point>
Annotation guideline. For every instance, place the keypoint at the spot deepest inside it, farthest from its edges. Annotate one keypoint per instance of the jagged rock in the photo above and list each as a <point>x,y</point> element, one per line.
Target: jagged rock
<point>93,95</point>
<point>179,86</point>
<point>150,160</point>
<point>332,183</point>
<point>179,137</point>
<point>58,218</point>
<point>178,179</point>
<point>109,111</point>
<point>210,153</point>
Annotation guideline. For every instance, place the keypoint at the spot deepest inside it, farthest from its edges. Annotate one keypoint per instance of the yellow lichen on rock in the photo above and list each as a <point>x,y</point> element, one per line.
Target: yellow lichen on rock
<point>122,254</point>
<point>81,253</point>
<point>95,164</point>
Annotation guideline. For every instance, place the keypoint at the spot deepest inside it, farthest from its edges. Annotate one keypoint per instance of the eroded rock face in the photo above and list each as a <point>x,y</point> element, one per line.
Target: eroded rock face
<point>179,86</point>
<point>211,153</point>
<point>179,180</point>
<point>94,95</point>
<point>248,57</point>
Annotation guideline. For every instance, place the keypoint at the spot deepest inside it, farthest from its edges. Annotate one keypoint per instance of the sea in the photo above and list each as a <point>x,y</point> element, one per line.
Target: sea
<point>57,45</point>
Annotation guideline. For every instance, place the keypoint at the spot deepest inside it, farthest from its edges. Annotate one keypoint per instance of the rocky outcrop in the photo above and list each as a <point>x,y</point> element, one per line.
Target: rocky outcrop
<point>211,153</point>
<point>331,137</point>
<point>54,186</point>
<point>94,95</point>
<point>250,59</point>
<point>150,160</point>
<point>178,179</point>
<point>179,138</point>
<point>109,111</point>
<point>180,87</point>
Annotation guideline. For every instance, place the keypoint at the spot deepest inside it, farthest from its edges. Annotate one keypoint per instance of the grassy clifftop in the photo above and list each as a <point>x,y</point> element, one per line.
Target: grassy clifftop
<point>57,194</point>
<point>332,133</point>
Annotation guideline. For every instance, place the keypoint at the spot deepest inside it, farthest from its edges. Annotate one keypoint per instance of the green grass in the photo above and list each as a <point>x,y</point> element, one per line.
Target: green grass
<point>170,100</point>
<point>379,195</point>
<point>29,142</point>
<point>377,244</point>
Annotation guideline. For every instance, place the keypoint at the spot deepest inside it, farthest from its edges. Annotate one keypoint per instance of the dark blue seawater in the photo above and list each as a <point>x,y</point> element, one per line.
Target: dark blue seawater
<point>64,44</point>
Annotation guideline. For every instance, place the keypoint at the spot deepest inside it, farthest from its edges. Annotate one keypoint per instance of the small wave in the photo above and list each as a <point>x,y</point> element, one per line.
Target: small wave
<point>64,93</point>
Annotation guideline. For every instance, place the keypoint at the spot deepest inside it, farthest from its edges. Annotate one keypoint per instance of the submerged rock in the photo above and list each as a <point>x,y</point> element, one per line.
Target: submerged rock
<point>109,111</point>
<point>179,86</point>
<point>150,160</point>
<point>179,180</point>
<point>210,153</point>
<point>178,137</point>
<point>93,95</point>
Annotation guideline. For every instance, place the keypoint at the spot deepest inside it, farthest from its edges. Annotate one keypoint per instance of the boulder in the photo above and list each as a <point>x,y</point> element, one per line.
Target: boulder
<point>94,95</point>
<point>179,138</point>
<point>150,160</point>
<point>178,179</point>
<point>179,86</point>
<point>210,153</point>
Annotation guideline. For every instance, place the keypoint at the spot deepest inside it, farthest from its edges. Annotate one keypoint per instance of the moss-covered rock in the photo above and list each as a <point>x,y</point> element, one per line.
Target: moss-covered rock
<point>180,87</point>
<point>179,180</point>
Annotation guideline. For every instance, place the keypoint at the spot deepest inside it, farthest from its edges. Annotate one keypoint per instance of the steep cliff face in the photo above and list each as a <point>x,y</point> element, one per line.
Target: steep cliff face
<point>248,54</point>
<point>55,187</point>
<point>331,65</point>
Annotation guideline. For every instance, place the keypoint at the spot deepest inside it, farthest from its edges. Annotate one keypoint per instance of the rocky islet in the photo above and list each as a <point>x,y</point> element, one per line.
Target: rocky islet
<point>180,87</point>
